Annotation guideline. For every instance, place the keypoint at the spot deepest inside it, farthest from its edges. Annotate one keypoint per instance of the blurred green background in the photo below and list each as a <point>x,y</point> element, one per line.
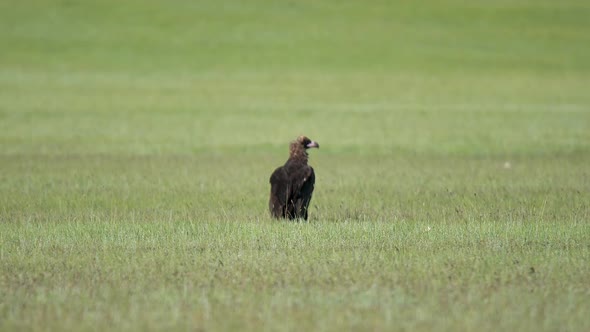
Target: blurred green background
<point>182,109</point>
<point>145,77</point>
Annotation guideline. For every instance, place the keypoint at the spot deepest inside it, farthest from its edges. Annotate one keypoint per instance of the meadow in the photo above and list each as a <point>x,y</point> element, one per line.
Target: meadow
<point>452,183</point>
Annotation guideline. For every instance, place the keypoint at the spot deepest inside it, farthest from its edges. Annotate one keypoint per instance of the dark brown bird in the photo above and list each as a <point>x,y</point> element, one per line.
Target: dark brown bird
<point>291,185</point>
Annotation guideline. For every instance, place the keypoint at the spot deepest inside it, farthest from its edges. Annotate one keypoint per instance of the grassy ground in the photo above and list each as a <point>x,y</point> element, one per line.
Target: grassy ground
<point>137,138</point>
<point>276,276</point>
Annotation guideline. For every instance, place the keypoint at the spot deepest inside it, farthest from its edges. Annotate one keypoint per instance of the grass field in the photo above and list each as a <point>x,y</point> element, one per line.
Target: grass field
<point>452,183</point>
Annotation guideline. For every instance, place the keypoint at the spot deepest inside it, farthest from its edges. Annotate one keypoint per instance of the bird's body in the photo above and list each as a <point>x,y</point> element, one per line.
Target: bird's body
<point>291,185</point>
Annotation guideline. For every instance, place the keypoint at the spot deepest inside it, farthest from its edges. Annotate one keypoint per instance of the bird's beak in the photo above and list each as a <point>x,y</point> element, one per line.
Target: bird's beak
<point>313,144</point>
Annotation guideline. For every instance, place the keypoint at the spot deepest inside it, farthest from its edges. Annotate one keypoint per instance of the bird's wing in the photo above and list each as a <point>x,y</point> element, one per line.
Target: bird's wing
<point>306,183</point>
<point>279,191</point>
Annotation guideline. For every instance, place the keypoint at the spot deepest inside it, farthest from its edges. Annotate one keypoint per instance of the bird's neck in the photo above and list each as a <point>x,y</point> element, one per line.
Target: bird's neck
<point>297,152</point>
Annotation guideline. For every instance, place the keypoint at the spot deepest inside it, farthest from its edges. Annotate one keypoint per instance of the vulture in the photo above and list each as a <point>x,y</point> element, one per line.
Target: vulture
<point>291,185</point>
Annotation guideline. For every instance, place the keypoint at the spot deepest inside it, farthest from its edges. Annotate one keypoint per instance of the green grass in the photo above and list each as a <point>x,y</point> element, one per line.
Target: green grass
<point>137,139</point>
<point>277,276</point>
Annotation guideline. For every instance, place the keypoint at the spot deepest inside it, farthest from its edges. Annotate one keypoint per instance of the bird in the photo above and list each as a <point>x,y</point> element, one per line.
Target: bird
<point>291,185</point>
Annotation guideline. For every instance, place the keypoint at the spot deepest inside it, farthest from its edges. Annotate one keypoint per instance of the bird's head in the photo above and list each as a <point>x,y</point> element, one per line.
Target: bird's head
<point>307,143</point>
<point>299,146</point>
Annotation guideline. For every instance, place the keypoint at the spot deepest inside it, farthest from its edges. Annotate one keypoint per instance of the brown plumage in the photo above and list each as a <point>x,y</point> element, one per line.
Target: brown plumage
<point>291,185</point>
